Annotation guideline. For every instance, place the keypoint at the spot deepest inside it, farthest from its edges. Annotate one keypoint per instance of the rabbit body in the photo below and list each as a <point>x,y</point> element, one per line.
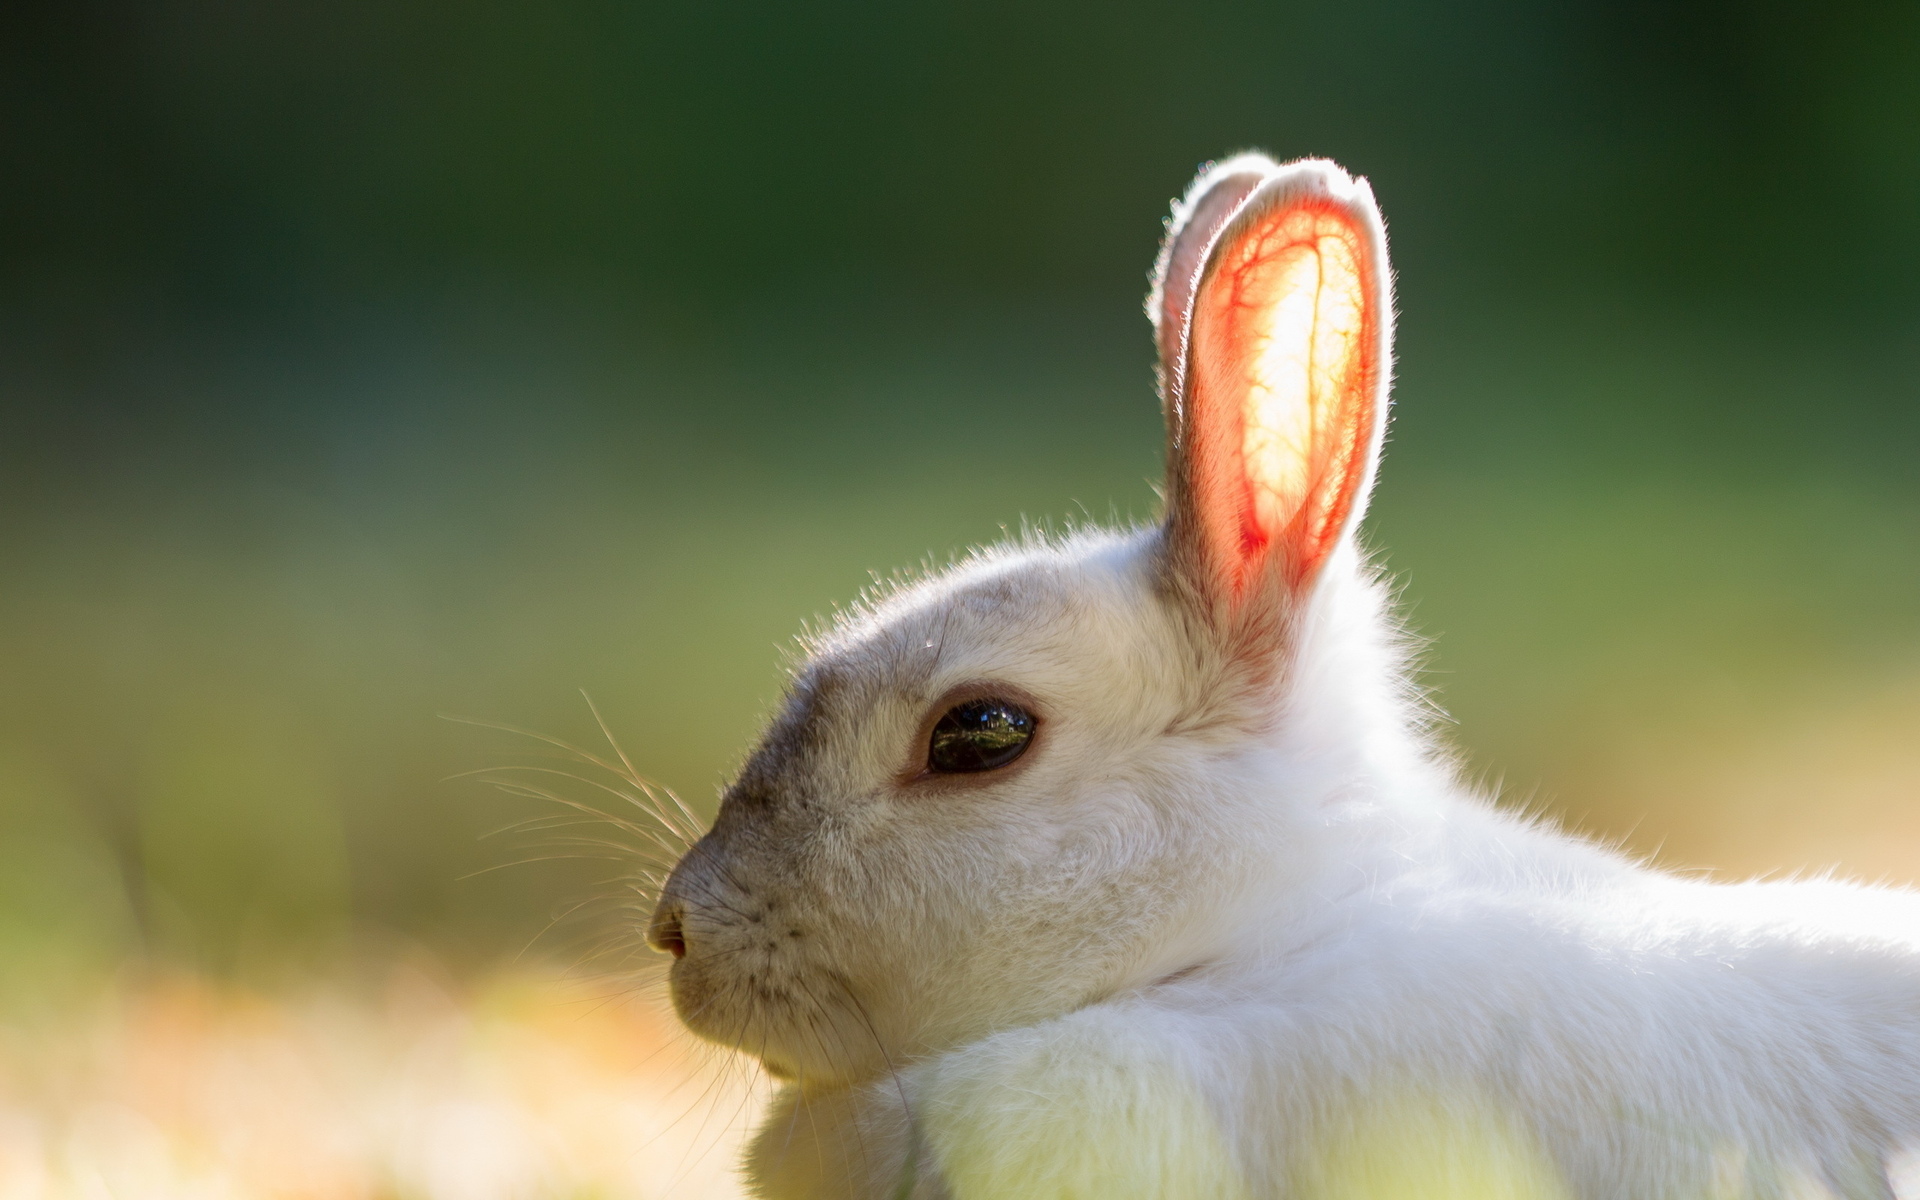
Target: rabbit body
<point>1231,927</point>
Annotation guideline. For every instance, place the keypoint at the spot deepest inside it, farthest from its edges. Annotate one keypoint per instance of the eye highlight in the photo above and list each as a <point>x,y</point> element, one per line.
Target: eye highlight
<point>979,735</point>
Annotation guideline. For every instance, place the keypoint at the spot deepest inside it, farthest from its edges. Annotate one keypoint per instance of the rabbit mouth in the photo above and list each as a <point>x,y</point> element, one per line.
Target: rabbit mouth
<point>800,1025</point>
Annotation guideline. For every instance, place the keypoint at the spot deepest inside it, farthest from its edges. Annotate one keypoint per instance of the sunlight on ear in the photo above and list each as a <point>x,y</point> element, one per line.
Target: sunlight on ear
<point>1304,278</point>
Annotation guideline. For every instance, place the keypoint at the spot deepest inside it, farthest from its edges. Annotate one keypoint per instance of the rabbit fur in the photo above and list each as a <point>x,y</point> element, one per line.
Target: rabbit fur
<point>1233,927</point>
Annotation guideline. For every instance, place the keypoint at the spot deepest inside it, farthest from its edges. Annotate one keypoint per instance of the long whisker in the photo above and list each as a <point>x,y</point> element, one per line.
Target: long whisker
<point>535,858</point>
<point>866,1020</point>
<point>548,927</point>
<point>586,756</point>
<point>827,1055</point>
<point>490,776</point>
<point>634,777</point>
<point>654,810</point>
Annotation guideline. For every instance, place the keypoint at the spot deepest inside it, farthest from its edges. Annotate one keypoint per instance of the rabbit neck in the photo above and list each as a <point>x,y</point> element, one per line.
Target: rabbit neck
<point>1349,796</point>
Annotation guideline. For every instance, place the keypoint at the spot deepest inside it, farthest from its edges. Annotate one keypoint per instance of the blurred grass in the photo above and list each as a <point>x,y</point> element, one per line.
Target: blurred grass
<point>399,1084</point>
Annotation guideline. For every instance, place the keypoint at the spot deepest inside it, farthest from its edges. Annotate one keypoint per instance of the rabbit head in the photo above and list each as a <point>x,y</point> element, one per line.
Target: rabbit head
<point>1065,768</point>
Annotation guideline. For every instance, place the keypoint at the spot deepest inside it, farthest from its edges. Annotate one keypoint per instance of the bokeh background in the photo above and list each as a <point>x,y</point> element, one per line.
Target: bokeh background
<point>364,362</point>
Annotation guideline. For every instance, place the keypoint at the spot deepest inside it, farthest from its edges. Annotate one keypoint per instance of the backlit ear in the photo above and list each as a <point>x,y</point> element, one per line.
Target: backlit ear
<point>1273,311</point>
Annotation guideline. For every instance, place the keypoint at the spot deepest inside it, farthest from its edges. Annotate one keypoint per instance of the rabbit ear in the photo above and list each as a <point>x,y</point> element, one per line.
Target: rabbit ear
<point>1273,311</point>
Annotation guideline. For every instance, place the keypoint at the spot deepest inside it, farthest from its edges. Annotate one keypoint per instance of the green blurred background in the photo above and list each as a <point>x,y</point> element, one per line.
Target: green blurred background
<point>362,362</point>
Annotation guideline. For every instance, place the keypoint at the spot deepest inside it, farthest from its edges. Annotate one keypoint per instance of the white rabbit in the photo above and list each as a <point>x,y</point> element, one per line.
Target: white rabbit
<point>1121,865</point>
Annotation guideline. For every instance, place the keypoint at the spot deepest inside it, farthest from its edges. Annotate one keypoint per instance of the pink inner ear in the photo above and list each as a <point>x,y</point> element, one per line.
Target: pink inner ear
<point>1284,383</point>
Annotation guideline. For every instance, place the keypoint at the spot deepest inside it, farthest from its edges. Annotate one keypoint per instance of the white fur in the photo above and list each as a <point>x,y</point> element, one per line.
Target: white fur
<point>1231,935</point>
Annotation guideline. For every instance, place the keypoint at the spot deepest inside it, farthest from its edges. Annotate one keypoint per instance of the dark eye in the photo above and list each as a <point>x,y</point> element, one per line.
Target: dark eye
<point>979,736</point>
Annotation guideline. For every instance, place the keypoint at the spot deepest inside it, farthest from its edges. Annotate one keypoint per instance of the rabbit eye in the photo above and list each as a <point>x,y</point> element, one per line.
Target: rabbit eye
<point>979,736</point>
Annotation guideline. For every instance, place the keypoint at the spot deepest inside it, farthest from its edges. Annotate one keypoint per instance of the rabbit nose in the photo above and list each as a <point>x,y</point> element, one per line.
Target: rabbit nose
<point>664,933</point>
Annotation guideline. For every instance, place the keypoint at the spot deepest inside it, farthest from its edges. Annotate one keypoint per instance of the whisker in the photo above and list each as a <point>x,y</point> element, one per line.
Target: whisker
<point>662,818</point>
<point>632,776</point>
<point>586,756</point>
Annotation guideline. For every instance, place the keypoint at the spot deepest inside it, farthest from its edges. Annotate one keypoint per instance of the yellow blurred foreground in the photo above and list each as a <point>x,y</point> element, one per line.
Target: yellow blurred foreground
<point>415,1089</point>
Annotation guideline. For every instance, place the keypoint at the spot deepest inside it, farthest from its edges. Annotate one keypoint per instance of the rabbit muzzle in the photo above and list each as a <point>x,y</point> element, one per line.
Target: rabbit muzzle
<point>755,972</point>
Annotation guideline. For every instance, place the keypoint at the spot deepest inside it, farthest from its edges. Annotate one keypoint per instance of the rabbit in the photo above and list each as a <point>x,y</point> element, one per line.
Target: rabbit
<point>1125,864</point>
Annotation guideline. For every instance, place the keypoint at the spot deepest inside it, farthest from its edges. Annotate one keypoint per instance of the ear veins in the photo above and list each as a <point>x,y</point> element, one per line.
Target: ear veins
<point>1285,364</point>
